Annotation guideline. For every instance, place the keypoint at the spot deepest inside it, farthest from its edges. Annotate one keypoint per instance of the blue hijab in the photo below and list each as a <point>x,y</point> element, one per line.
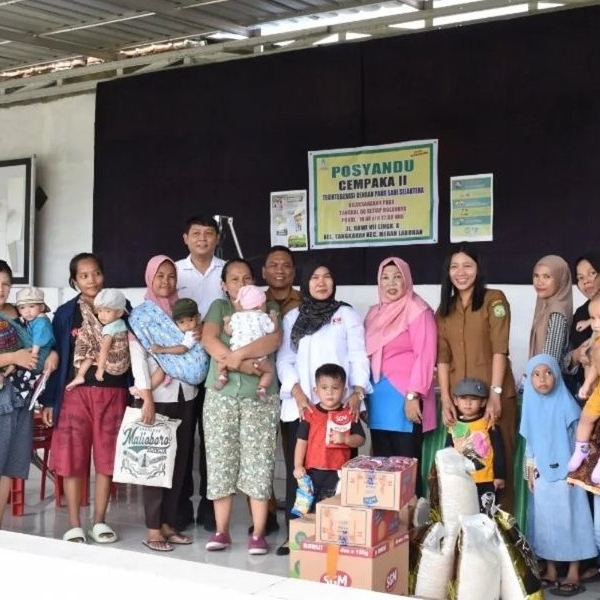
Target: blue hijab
<point>546,421</point>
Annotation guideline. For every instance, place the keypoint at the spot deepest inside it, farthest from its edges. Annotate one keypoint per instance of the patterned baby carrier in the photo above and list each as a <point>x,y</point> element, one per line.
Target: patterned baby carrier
<point>89,339</point>
<point>151,325</point>
<point>22,380</point>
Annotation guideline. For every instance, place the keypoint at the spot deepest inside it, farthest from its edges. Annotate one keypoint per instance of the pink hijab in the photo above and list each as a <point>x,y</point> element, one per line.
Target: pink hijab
<point>387,320</point>
<point>151,270</point>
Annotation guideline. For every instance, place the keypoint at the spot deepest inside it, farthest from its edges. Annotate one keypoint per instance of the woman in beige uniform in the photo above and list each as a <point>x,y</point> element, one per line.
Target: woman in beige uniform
<point>473,330</point>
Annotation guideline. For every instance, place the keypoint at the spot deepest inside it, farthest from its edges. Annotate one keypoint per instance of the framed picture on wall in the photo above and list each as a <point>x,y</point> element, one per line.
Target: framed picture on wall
<point>17,214</point>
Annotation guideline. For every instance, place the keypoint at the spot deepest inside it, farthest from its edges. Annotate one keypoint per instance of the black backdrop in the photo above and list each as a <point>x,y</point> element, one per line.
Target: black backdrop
<point>519,98</point>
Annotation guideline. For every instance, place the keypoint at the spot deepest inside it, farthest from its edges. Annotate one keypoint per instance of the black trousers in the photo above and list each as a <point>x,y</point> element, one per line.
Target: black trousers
<point>161,505</point>
<point>289,431</point>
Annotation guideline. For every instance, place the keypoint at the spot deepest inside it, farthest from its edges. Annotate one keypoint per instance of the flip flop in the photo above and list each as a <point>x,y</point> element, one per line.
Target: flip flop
<point>158,545</point>
<point>76,535</point>
<point>178,538</point>
<point>101,533</point>
<point>548,583</point>
<point>568,589</point>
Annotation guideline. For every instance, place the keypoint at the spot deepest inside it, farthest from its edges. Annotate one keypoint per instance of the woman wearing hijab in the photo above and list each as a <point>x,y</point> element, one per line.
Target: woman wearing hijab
<point>553,308</point>
<point>587,267</point>
<point>174,400</point>
<point>401,344</point>
<point>321,330</point>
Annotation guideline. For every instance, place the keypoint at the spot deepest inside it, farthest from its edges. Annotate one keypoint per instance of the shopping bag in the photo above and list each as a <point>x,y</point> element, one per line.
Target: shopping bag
<point>145,454</point>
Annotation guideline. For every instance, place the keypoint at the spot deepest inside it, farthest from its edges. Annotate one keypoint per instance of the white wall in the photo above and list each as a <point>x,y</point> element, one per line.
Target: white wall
<point>61,135</point>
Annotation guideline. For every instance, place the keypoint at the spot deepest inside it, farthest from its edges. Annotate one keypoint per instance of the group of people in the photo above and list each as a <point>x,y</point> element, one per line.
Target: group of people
<point>310,373</point>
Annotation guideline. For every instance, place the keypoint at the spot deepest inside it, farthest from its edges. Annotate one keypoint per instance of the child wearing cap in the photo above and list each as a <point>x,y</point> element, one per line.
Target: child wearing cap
<point>187,318</point>
<point>109,305</point>
<point>249,323</point>
<point>32,309</point>
<point>472,436</point>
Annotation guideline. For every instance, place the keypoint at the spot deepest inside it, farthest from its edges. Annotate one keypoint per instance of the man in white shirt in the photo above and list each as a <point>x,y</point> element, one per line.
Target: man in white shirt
<point>199,278</point>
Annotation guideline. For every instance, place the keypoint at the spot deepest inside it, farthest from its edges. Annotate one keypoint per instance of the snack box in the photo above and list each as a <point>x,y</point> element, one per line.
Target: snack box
<point>387,483</point>
<point>382,568</point>
<point>353,525</point>
<point>300,529</point>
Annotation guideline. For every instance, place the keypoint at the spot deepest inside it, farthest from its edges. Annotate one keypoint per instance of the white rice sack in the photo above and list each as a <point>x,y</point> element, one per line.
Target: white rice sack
<point>456,488</point>
<point>431,560</point>
<point>476,573</point>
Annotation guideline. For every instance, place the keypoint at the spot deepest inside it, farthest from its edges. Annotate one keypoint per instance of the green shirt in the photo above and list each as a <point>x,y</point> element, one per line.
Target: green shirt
<point>239,385</point>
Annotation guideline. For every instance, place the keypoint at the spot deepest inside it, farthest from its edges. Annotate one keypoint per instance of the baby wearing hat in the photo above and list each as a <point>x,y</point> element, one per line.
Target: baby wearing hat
<point>472,436</point>
<point>109,305</point>
<point>33,308</point>
<point>249,323</point>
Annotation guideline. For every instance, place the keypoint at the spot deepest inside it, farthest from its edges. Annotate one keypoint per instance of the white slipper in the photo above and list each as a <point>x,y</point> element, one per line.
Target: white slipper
<point>102,533</point>
<point>76,534</point>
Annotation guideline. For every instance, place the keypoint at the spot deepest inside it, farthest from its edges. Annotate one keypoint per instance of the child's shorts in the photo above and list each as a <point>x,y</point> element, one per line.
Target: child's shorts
<point>592,405</point>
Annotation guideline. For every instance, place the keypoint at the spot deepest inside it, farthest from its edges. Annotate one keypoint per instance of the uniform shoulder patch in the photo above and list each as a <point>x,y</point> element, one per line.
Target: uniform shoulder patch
<point>499,309</point>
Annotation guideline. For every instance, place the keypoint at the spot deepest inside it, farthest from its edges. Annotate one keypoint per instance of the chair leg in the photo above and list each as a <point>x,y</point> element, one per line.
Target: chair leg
<point>17,497</point>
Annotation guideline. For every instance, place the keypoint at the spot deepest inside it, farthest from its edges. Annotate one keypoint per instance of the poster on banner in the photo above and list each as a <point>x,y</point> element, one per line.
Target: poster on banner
<point>472,208</point>
<point>288,219</point>
<point>374,195</point>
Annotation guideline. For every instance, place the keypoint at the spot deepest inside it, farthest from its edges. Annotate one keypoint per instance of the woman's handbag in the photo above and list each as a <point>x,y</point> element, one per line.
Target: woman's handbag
<point>145,454</point>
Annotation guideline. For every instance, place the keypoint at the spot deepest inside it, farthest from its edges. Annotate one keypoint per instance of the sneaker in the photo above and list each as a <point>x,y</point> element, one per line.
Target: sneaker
<point>257,545</point>
<point>218,541</point>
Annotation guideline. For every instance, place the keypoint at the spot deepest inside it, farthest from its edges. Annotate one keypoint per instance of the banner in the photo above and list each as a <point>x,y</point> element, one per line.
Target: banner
<point>472,208</point>
<point>288,219</point>
<point>374,196</point>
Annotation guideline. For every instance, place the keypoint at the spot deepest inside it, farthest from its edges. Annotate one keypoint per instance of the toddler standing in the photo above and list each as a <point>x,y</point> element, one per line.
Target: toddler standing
<point>472,436</point>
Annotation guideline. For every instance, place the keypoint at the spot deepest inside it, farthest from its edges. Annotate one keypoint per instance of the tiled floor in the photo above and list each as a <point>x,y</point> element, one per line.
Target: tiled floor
<point>42,518</point>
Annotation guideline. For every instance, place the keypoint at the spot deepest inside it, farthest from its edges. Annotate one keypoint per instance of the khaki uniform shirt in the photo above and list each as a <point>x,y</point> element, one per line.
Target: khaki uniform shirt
<point>467,340</point>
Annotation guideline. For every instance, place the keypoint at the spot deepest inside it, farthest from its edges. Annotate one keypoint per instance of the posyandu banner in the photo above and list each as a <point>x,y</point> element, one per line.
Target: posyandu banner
<point>374,195</point>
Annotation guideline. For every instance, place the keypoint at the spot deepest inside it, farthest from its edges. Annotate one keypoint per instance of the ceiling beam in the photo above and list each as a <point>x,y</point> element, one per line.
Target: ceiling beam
<point>193,15</point>
<point>54,44</point>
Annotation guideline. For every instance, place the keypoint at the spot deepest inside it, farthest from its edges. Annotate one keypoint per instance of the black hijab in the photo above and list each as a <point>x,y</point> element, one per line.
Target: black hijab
<point>313,314</point>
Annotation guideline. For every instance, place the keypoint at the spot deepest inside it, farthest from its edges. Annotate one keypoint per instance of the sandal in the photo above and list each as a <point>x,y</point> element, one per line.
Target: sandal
<point>175,537</point>
<point>568,589</point>
<point>75,534</point>
<point>158,545</point>
<point>102,533</point>
<point>548,583</point>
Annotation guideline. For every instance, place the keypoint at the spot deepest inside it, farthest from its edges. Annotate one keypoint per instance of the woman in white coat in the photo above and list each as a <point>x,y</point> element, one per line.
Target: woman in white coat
<point>321,330</point>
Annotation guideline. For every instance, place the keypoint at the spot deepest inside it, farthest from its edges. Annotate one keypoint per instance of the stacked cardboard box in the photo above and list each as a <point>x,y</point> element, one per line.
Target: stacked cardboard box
<point>359,538</point>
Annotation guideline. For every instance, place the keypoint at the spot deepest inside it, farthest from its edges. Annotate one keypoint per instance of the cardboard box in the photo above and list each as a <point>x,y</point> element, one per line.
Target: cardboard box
<point>366,482</point>
<point>353,525</point>
<point>300,529</point>
<point>383,568</point>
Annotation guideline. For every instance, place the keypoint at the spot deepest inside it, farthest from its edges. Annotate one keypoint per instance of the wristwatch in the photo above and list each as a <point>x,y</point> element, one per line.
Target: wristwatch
<point>413,396</point>
<point>496,389</point>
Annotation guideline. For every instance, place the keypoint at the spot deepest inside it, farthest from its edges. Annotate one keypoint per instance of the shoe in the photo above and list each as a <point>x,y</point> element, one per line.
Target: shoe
<point>257,545</point>
<point>218,541</point>
<point>271,526</point>
<point>284,549</point>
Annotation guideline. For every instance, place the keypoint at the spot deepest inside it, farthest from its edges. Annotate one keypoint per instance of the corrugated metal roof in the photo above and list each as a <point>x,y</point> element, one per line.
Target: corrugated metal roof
<point>58,47</point>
